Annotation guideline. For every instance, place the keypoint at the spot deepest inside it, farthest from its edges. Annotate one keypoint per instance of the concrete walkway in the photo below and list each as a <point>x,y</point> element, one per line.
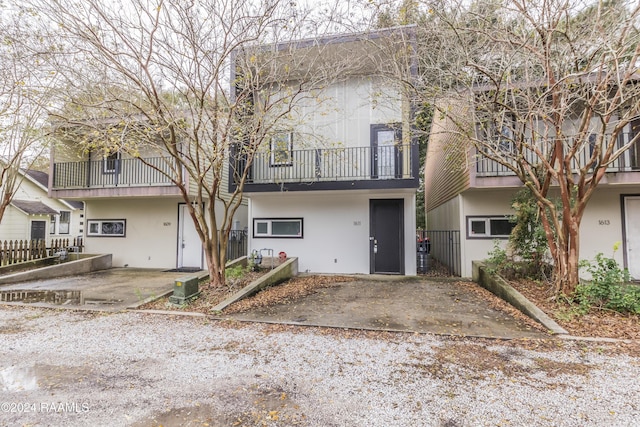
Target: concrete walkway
<point>438,306</point>
<point>110,290</point>
<point>390,303</point>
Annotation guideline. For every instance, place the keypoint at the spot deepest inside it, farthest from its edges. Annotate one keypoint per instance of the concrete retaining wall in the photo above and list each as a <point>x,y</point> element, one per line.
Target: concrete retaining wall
<point>498,286</point>
<point>284,271</point>
<point>69,268</point>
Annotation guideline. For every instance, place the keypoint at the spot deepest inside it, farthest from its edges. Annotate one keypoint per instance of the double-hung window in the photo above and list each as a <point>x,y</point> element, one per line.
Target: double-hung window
<point>281,149</point>
<point>60,222</point>
<point>111,163</point>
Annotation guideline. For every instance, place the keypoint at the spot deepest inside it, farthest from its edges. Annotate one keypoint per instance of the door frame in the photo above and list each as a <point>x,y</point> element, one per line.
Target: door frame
<point>396,128</point>
<point>623,211</point>
<point>401,252</point>
<point>182,214</point>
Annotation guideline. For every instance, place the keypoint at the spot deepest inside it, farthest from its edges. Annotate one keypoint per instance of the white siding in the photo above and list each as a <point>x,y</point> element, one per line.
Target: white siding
<point>14,225</point>
<point>151,230</point>
<point>335,229</point>
<point>600,230</point>
<point>341,114</point>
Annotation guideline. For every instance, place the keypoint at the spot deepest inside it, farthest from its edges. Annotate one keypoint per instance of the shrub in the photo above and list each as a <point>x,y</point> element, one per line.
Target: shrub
<point>609,287</point>
<point>234,272</point>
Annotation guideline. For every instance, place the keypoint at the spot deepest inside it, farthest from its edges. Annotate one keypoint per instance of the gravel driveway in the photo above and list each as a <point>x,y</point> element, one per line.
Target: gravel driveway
<point>64,368</point>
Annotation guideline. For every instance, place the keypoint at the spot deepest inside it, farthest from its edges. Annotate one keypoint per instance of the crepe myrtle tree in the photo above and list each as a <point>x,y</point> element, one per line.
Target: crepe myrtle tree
<point>26,84</point>
<point>547,89</point>
<point>157,76</point>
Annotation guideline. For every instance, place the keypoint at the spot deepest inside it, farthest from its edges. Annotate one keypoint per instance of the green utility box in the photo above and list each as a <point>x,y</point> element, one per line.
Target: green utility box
<point>184,289</point>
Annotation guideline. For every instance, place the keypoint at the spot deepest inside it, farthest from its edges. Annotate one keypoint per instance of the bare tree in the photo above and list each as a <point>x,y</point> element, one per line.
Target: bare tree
<point>156,75</point>
<point>546,89</point>
<point>25,88</point>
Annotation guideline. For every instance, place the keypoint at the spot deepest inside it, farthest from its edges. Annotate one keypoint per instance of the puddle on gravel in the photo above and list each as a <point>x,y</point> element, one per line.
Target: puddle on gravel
<point>59,297</point>
<point>28,378</point>
<point>245,406</point>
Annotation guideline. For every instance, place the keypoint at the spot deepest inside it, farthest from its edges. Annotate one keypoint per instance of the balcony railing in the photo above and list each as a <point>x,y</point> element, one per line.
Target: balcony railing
<point>333,164</point>
<point>112,173</point>
<point>627,162</point>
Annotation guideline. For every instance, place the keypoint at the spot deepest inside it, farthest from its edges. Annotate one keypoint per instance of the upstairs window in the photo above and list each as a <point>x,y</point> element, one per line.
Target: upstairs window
<point>111,163</point>
<point>499,133</point>
<point>281,149</point>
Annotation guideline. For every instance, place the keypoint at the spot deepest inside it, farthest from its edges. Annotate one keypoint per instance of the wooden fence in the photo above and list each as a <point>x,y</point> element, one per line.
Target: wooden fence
<point>16,251</point>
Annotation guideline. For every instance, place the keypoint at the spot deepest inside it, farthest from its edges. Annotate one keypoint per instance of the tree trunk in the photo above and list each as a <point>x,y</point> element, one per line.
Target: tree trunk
<point>216,273</point>
<point>566,268</point>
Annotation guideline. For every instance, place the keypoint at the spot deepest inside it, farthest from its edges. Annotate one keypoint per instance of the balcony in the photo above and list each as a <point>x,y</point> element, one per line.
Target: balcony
<point>112,177</point>
<point>627,162</point>
<point>394,166</point>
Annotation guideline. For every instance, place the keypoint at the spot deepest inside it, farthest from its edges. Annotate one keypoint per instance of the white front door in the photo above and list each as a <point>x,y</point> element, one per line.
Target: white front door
<point>632,235</point>
<point>189,245</point>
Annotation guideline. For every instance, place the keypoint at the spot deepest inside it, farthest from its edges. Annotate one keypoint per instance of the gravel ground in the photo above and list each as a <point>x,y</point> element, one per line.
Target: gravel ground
<point>64,368</point>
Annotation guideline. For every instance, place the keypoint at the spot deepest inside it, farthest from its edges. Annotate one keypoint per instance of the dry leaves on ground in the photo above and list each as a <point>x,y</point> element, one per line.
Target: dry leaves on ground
<point>596,323</point>
<point>290,290</point>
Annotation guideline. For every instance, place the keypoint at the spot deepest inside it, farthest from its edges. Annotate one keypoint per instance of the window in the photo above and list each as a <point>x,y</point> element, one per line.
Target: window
<point>110,163</point>
<point>489,227</point>
<point>500,131</point>
<point>64,222</point>
<point>281,149</point>
<point>277,227</point>
<point>52,224</point>
<point>106,227</point>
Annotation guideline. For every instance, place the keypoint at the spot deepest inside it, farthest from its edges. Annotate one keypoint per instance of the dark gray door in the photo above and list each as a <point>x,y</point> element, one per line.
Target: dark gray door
<point>386,236</point>
<point>38,230</point>
<point>386,158</point>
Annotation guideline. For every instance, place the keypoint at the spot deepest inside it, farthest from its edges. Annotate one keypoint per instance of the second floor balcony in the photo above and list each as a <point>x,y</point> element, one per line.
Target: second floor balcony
<point>113,176</point>
<point>392,166</point>
<point>629,161</point>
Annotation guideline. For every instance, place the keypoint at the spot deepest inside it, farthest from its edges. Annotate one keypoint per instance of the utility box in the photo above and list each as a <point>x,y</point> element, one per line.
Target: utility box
<point>184,289</point>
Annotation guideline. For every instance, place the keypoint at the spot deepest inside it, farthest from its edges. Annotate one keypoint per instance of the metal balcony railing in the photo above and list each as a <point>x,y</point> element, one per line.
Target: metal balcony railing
<point>333,164</point>
<point>628,161</point>
<point>112,173</point>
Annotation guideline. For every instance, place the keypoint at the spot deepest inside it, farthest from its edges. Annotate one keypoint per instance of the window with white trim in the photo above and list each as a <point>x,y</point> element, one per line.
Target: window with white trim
<point>277,227</point>
<point>110,163</point>
<point>106,227</point>
<point>64,222</point>
<point>489,227</point>
<point>281,149</point>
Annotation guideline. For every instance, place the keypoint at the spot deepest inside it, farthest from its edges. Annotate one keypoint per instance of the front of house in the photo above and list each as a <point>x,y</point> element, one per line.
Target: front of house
<point>469,193</point>
<point>337,186</point>
<point>33,215</point>
<point>132,210</point>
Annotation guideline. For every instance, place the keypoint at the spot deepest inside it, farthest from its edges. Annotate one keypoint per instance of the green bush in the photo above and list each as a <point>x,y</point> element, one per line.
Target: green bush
<point>234,272</point>
<point>609,287</point>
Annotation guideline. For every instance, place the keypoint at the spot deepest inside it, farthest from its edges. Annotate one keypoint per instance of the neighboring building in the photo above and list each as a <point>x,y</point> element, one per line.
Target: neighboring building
<point>132,211</point>
<point>33,215</point>
<point>336,185</point>
<point>473,195</point>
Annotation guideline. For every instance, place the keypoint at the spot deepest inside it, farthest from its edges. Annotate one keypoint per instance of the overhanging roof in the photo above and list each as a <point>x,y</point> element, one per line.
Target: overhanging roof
<point>32,207</point>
